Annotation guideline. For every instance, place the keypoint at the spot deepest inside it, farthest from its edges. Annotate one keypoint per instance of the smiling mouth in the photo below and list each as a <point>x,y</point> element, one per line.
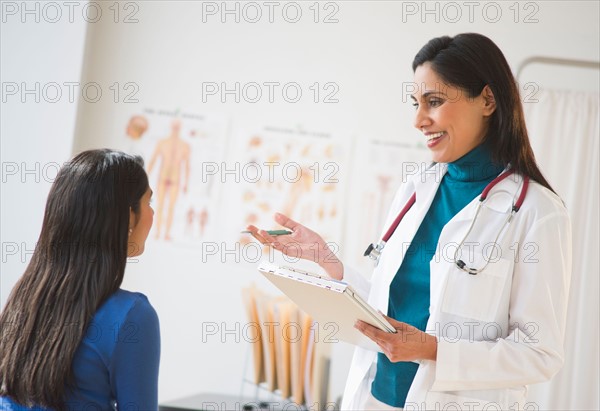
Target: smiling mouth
<point>433,136</point>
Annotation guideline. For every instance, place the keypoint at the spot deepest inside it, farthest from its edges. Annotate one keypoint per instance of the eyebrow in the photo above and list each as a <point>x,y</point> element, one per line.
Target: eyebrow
<point>427,93</point>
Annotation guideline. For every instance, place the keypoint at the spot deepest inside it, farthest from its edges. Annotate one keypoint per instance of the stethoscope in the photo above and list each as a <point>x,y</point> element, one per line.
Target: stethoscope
<point>374,250</point>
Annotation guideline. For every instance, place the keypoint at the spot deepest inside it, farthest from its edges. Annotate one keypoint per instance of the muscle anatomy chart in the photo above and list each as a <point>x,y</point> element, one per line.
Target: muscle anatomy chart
<point>176,145</point>
<point>289,170</point>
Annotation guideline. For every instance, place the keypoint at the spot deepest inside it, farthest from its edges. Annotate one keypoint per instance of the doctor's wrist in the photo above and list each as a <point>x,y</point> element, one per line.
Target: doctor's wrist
<point>431,347</point>
<point>333,267</point>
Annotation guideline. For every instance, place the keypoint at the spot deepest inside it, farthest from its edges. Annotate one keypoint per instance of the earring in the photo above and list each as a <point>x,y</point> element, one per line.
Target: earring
<point>130,231</point>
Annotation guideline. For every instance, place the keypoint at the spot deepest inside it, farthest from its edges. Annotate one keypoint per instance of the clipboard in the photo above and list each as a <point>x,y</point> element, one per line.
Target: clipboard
<point>335,305</point>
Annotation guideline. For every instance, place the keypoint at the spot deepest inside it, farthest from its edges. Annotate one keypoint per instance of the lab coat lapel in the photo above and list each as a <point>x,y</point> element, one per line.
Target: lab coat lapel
<point>426,191</point>
<point>393,254</point>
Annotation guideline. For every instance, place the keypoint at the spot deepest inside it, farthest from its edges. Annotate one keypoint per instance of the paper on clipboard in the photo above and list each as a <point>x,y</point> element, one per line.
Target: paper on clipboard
<point>334,304</point>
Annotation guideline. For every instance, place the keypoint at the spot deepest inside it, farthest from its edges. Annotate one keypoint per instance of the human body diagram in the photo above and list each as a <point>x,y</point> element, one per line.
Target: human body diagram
<point>173,176</point>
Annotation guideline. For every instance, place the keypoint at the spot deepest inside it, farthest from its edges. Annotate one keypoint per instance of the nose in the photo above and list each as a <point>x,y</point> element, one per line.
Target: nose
<point>421,118</point>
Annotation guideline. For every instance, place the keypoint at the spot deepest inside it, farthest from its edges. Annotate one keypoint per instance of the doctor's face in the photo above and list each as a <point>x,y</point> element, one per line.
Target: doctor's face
<point>452,123</point>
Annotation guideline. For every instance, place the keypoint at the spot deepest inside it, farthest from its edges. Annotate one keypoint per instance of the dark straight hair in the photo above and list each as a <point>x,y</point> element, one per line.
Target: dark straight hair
<point>470,61</point>
<point>78,262</point>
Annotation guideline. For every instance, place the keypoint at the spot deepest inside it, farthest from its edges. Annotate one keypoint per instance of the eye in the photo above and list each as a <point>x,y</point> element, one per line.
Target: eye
<point>415,105</point>
<point>434,102</point>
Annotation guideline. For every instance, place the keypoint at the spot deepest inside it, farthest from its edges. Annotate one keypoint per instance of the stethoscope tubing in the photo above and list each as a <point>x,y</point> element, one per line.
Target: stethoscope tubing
<point>374,251</point>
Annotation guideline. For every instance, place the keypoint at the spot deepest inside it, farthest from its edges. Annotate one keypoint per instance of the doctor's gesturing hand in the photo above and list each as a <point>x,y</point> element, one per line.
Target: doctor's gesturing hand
<point>303,243</point>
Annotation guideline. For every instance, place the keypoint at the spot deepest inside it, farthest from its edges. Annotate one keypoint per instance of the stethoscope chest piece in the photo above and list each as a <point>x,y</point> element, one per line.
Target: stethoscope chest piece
<point>373,251</point>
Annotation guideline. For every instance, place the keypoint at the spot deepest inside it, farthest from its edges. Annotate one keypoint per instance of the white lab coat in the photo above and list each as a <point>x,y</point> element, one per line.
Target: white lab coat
<point>497,331</point>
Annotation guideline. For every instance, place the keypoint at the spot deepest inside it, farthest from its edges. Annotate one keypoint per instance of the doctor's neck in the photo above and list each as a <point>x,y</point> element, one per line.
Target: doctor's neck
<point>476,165</point>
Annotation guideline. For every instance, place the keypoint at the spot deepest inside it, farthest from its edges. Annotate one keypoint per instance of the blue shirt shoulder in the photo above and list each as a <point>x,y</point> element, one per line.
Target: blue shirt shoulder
<point>117,361</point>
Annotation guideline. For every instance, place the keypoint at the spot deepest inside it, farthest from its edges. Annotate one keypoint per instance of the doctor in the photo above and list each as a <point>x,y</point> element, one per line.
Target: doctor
<point>476,285</point>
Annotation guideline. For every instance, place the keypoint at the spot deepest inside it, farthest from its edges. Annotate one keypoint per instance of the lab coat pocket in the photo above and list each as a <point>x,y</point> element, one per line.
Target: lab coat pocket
<point>453,401</point>
<point>476,296</point>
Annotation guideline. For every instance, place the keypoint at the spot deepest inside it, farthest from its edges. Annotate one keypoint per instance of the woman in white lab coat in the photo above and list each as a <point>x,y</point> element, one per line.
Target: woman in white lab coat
<point>478,297</point>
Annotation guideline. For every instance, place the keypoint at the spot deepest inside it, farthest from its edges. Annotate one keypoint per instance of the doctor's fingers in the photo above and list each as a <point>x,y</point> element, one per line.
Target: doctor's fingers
<point>264,238</point>
<point>269,239</point>
<point>372,332</point>
<point>398,325</point>
<point>395,346</point>
<point>404,329</point>
<point>254,233</point>
<point>287,222</point>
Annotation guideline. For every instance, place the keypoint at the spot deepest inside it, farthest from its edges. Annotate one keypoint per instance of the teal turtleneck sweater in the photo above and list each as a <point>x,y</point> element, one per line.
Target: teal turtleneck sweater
<point>464,180</point>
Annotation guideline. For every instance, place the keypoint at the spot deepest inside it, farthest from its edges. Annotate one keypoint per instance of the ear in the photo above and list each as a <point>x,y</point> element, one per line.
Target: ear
<point>489,101</point>
<point>132,219</point>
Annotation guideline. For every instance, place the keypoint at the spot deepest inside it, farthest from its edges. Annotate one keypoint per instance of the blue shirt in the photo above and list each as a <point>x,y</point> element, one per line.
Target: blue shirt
<point>117,360</point>
<point>464,180</point>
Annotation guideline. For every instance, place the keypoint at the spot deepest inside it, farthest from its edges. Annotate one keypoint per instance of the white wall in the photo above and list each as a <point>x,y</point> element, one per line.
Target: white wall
<point>170,51</point>
<point>36,129</point>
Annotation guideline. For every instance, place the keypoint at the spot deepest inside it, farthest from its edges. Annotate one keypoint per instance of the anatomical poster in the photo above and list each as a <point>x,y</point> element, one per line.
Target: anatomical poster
<point>300,172</point>
<point>176,144</point>
<point>380,167</point>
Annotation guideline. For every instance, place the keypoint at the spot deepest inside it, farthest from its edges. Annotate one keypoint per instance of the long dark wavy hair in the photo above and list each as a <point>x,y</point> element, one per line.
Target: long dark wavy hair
<point>470,61</point>
<point>78,262</point>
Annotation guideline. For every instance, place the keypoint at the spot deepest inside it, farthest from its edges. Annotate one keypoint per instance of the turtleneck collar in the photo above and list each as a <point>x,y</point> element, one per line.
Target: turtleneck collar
<point>476,165</point>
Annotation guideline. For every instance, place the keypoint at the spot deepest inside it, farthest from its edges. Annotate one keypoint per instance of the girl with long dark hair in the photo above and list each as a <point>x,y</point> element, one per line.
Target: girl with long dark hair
<point>71,339</point>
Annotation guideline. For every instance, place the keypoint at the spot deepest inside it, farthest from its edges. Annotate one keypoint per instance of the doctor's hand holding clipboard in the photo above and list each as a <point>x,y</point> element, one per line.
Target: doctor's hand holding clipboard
<point>474,259</point>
